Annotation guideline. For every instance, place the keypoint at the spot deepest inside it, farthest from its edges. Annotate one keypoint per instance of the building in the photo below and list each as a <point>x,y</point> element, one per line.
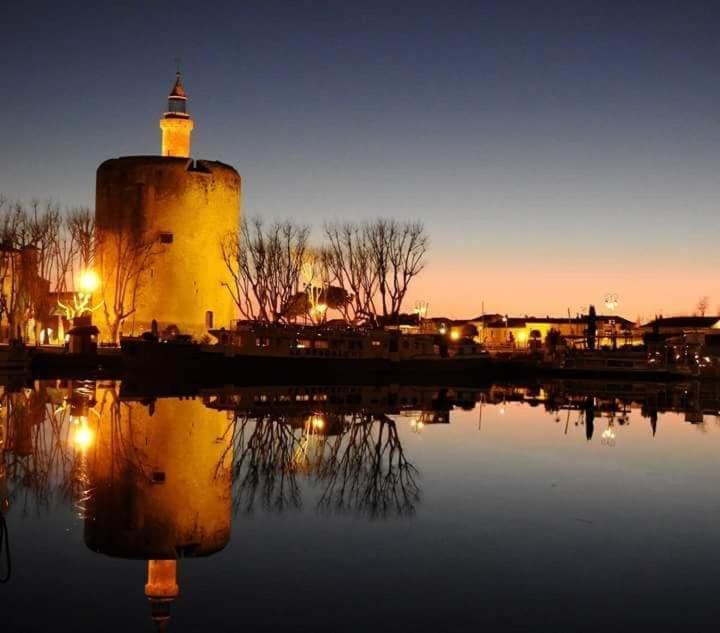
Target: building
<point>27,306</point>
<point>665,327</point>
<point>159,223</point>
<point>498,331</point>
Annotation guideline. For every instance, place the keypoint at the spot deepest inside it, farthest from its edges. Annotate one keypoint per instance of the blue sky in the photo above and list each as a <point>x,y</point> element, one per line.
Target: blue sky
<point>566,146</point>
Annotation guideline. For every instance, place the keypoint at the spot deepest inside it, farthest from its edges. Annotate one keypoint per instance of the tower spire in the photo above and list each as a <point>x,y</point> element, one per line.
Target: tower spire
<point>176,124</point>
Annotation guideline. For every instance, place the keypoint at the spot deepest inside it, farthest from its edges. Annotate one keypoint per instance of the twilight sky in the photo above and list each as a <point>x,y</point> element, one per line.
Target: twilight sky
<point>556,151</point>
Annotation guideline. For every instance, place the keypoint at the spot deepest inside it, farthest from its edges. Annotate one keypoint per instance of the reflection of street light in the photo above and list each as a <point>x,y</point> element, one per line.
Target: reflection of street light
<point>608,437</point>
<point>317,423</point>
<point>83,436</point>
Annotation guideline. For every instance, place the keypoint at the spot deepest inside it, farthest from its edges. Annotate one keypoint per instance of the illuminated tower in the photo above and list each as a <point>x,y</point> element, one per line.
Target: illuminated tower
<point>159,223</point>
<point>176,124</point>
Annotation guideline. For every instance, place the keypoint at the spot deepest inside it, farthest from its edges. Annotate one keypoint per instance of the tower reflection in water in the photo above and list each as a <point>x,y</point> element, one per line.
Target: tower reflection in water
<point>160,489</point>
<point>158,479</point>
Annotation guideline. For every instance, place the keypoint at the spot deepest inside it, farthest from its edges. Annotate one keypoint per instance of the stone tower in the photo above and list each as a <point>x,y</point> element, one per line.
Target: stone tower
<point>176,124</point>
<point>159,223</point>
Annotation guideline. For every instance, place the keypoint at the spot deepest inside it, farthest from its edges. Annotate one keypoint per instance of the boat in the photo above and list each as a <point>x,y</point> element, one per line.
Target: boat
<point>342,349</point>
<point>616,362</point>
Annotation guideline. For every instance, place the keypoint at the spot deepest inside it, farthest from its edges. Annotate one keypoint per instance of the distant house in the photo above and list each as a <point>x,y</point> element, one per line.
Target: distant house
<point>497,331</point>
<point>23,294</point>
<point>666,327</point>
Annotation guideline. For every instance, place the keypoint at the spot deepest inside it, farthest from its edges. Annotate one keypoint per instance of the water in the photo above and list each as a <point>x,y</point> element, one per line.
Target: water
<point>562,506</point>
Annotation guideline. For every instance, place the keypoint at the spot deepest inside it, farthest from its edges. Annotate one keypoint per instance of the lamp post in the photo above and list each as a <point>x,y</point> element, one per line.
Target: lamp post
<point>611,303</point>
<point>82,337</point>
<point>421,309</point>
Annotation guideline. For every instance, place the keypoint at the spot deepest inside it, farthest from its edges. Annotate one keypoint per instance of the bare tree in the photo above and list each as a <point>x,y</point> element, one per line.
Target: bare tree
<point>702,305</point>
<point>265,266</point>
<point>125,258</point>
<point>28,256</point>
<point>12,217</point>
<point>81,226</point>
<point>350,260</point>
<point>398,252</point>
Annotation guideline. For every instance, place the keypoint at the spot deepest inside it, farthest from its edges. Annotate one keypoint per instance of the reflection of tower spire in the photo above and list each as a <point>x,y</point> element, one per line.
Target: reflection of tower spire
<point>653,422</point>
<point>161,590</point>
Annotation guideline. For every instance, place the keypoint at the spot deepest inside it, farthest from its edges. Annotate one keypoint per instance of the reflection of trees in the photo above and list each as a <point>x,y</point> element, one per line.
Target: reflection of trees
<point>366,471</point>
<point>362,468</point>
<point>38,460</point>
<point>264,467</point>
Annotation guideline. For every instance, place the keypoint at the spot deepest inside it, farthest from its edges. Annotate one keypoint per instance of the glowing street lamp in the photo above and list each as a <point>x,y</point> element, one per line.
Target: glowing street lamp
<point>88,283</point>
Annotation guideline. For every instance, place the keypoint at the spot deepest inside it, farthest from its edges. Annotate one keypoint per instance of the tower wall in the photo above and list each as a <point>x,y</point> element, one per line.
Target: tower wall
<point>186,207</point>
<point>176,136</point>
<point>161,480</point>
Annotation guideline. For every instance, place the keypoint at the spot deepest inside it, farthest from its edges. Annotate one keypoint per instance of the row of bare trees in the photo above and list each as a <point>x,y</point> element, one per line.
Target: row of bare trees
<point>41,248</point>
<point>363,271</point>
<point>44,249</point>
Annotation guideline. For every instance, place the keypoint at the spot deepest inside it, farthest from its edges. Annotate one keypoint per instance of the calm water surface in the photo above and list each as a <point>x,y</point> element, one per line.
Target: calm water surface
<point>575,507</point>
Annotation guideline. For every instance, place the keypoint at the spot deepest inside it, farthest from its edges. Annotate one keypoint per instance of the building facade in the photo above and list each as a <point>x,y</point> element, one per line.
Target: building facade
<point>159,222</point>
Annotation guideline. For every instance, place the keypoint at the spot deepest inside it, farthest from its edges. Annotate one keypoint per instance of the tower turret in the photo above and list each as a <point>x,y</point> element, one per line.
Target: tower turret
<point>176,124</point>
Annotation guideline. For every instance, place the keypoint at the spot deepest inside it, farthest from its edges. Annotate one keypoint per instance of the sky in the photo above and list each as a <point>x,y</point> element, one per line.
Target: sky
<point>555,151</point>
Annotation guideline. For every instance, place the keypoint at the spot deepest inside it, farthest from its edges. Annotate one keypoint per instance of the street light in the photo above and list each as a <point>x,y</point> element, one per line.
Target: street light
<point>89,282</point>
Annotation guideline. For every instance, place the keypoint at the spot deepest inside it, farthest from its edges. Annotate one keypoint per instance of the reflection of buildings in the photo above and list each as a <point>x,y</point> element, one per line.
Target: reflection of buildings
<point>160,481</point>
<point>594,399</point>
<point>434,402</point>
